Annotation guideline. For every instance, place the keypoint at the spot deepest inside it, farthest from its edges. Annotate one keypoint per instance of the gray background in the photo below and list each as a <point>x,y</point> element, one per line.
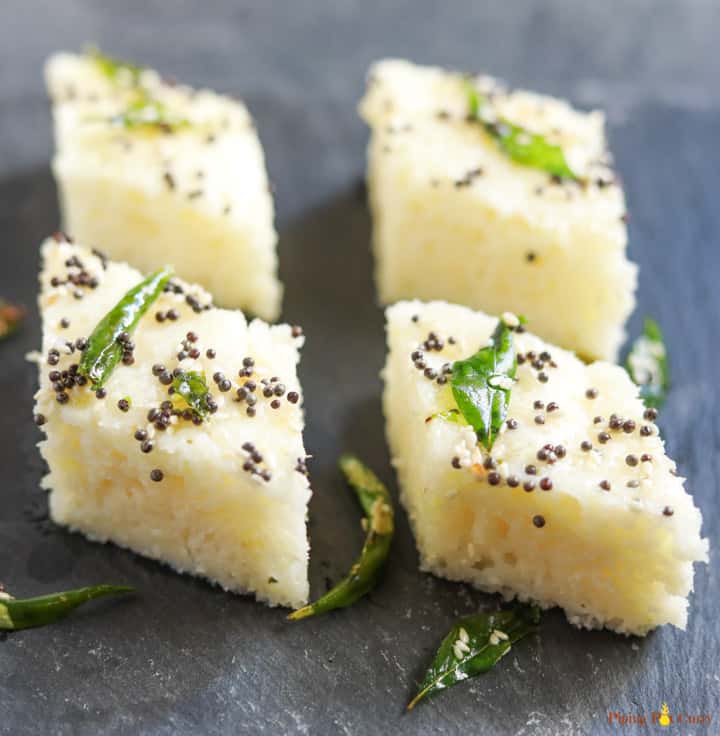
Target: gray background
<point>186,658</point>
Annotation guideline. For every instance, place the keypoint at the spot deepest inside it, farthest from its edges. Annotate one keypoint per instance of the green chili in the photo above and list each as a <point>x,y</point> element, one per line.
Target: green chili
<point>45,609</point>
<point>377,505</point>
<point>11,317</point>
<point>104,348</point>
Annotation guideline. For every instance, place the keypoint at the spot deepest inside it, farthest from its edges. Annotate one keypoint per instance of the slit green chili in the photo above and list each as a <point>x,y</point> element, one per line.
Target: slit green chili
<point>30,612</point>
<point>104,349</point>
<point>364,574</point>
<point>11,317</point>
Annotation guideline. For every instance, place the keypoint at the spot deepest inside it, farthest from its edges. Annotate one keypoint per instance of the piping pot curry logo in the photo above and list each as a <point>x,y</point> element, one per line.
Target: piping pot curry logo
<point>662,718</point>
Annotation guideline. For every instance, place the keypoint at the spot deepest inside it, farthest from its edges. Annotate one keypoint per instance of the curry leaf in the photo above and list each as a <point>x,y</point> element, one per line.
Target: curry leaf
<point>193,388</point>
<point>647,365</point>
<point>481,384</point>
<point>114,69</point>
<point>518,143</point>
<point>474,645</point>
<point>149,113</point>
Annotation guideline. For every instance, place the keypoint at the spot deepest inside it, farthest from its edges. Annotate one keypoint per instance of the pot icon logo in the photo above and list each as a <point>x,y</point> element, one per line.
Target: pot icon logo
<point>664,719</point>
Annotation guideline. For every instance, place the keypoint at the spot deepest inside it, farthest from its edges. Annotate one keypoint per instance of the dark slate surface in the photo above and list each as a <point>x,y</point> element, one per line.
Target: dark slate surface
<point>186,658</point>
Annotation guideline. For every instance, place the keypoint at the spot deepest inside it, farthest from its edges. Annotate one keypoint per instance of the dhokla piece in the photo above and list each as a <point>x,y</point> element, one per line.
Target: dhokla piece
<point>224,497</point>
<point>575,505</point>
<point>456,217</point>
<point>158,173</point>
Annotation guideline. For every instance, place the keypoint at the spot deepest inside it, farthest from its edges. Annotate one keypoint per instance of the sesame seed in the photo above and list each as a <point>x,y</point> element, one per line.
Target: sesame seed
<point>156,475</point>
<point>592,393</point>
<point>603,437</point>
<point>39,419</point>
<point>605,485</point>
<point>123,405</point>
<point>539,419</point>
<point>646,430</point>
<point>493,478</point>
<point>147,446</point>
<point>668,511</point>
<point>539,521</point>
<point>651,414</point>
<point>531,470</point>
<point>455,462</point>
<point>543,377</point>
<point>633,484</point>
<point>512,424</point>
<point>275,404</point>
<point>296,331</point>
<point>546,484</point>
<point>598,420</point>
<point>539,405</point>
<point>101,393</point>
<point>513,481</point>
<point>140,434</point>
<point>645,458</point>
<point>631,460</point>
<point>529,485</point>
<point>210,353</point>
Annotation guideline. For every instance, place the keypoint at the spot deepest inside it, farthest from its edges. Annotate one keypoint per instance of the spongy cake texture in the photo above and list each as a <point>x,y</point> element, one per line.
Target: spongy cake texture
<point>231,503</point>
<point>605,529</point>
<point>455,218</point>
<point>193,192</point>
